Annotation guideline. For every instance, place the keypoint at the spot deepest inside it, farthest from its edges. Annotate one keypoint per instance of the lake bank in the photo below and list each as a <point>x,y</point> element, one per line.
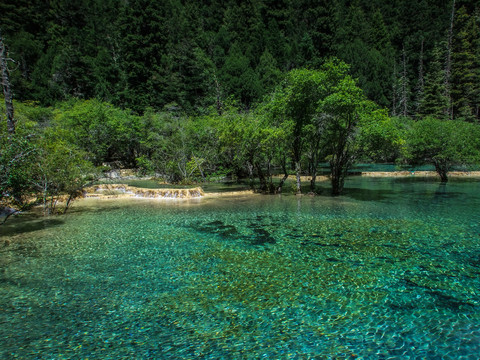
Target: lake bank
<point>124,190</point>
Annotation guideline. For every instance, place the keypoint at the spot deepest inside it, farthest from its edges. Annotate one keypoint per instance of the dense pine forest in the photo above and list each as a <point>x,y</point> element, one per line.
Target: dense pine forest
<point>413,57</point>
<point>196,90</point>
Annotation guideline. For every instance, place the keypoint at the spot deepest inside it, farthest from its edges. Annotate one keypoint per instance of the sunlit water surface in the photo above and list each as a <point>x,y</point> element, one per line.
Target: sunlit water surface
<point>390,270</point>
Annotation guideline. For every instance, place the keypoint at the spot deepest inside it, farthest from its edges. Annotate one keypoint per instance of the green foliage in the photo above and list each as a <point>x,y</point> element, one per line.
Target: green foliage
<point>294,107</point>
<point>322,108</point>
<point>239,77</point>
<point>107,133</point>
<point>363,41</point>
<point>443,143</point>
<point>342,106</point>
<point>139,54</point>
<point>61,168</point>
<point>179,148</point>
<point>145,165</point>
<point>268,73</point>
<point>380,137</point>
<point>231,88</point>
<point>17,156</point>
<point>466,67</point>
<point>435,102</point>
<point>40,160</point>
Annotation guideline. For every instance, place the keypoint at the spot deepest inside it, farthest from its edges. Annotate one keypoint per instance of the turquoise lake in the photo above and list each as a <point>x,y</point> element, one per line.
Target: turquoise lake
<point>390,270</point>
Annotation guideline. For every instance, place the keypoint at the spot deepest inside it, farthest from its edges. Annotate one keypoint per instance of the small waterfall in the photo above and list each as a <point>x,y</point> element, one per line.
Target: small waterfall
<point>121,189</point>
<point>170,193</point>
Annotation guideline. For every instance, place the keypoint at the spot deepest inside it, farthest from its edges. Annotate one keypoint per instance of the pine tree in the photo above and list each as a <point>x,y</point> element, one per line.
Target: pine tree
<point>434,101</point>
<point>268,73</point>
<point>420,88</point>
<point>404,89</point>
<point>448,62</point>
<point>238,77</point>
<point>465,75</point>
<point>6,87</point>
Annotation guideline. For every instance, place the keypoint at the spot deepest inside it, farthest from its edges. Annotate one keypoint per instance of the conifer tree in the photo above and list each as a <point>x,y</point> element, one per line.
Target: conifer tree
<point>434,101</point>
<point>465,75</point>
<point>448,62</point>
<point>7,93</point>
<point>403,89</point>
<point>268,73</point>
<point>420,88</point>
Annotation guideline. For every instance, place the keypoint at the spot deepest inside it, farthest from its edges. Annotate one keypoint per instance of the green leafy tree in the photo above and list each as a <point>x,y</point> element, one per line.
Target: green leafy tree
<point>295,104</point>
<point>324,107</point>
<point>109,134</point>
<point>342,105</point>
<point>17,155</point>
<point>60,169</point>
<point>39,160</point>
<point>239,137</point>
<point>380,137</point>
<point>443,143</point>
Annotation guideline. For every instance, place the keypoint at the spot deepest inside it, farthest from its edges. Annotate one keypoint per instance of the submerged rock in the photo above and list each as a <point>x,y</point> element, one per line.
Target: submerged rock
<point>6,211</point>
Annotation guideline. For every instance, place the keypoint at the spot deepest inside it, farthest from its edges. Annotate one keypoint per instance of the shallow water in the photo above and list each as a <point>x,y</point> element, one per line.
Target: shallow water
<point>390,270</point>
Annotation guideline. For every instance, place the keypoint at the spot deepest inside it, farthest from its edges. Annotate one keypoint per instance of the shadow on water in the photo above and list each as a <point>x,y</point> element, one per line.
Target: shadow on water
<point>260,236</point>
<point>443,192</point>
<point>93,210</point>
<point>221,229</point>
<point>21,226</point>
<point>440,193</point>
<point>362,194</point>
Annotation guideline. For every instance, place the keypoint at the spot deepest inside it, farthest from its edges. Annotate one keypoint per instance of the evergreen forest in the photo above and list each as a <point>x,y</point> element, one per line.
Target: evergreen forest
<point>202,90</point>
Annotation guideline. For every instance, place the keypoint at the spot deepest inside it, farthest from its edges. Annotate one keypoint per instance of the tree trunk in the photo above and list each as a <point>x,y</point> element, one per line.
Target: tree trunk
<point>250,174</point>
<point>442,171</point>
<point>262,178</point>
<point>339,167</point>
<point>285,176</point>
<point>404,91</point>
<point>448,64</point>
<point>67,205</point>
<point>218,95</point>
<point>421,81</point>
<point>312,182</point>
<point>394,89</point>
<point>6,88</point>
<point>313,173</point>
<point>270,186</point>
<point>298,170</point>
<point>336,179</point>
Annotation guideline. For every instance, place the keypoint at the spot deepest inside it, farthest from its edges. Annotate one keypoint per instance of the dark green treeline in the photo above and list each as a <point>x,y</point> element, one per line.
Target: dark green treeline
<point>413,57</point>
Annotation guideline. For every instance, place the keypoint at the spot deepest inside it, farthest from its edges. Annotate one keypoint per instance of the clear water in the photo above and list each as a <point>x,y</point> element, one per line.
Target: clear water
<point>390,167</point>
<point>390,270</point>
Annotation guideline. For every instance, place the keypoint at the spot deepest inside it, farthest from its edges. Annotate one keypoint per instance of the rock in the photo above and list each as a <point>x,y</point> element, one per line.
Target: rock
<point>5,212</point>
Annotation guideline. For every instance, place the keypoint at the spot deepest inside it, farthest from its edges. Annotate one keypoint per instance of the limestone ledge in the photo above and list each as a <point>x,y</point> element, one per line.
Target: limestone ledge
<point>122,190</point>
<point>420,174</point>
<point>464,174</point>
